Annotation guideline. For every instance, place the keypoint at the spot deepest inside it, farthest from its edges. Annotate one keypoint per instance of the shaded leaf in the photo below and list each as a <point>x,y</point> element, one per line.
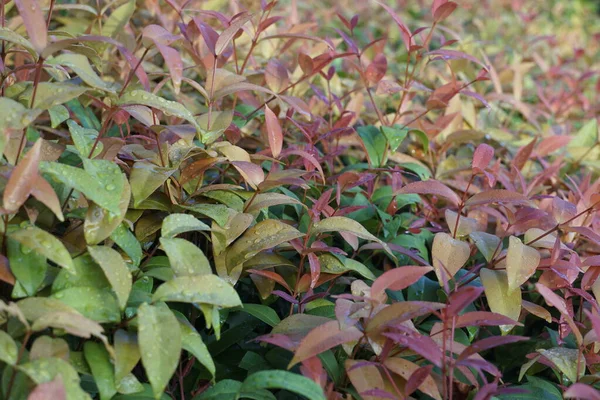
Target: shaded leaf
<point>115,270</point>
<point>186,258</point>
<point>102,369</point>
<point>289,381</point>
<point>174,224</point>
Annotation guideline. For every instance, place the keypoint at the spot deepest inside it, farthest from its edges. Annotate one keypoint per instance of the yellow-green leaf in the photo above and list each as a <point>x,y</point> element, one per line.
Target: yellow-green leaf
<point>521,262</point>
<point>145,178</point>
<point>204,289</point>
<point>118,19</point>
<point>99,224</point>
<point>127,353</point>
<point>45,244</point>
<point>500,299</point>
<point>175,224</point>
<point>449,255</point>
<point>115,271</point>
<point>566,361</point>
<point>80,64</point>
<point>8,349</point>
<point>185,257</point>
<point>102,369</point>
<point>46,369</point>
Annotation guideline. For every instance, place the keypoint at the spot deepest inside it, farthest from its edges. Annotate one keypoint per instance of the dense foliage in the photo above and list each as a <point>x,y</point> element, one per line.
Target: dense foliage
<point>299,199</point>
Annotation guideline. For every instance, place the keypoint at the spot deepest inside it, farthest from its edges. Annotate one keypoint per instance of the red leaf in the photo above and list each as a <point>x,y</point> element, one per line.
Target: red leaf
<point>315,269</point>
<point>433,187</point>
<point>274,132</point>
<point>484,153</point>
<point>444,11</point>
<point>174,64</point>
<point>404,31</point>
<point>252,173</point>
<point>483,318</point>
<point>45,194</point>
<point>398,279</point>
<point>460,299</point>
<point>271,275</point>
<point>323,338</point>
<point>523,155</point>
<point>6,274</point>
<point>551,144</point>
<point>376,70</point>
<point>555,301</point>
<point>35,23</point>
<point>496,196</point>
<point>306,63</point>
<point>228,34</point>
<point>416,379</point>
<point>423,345</point>
<point>22,179</point>
<point>53,390</point>
<point>488,343</point>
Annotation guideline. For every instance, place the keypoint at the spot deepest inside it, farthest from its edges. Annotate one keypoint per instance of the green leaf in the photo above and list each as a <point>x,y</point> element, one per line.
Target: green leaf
<point>394,135</point>
<point>192,343</point>
<point>339,264</point>
<point>144,394</point>
<point>264,235</point>
<point>29,267</point>
<point>127,353</point>
<point>486,243</point>
<point>13,37</point>
<point>102,369</point>
<point>96,304</point>
<point>185,257</point>
<point>587,136</point>
<point>58,115</point>
<point>129,385</point>
<point>84,139</point>
<point>15,116</point>
<point>566,361</point>
<point>8,349</point>
<point>115,270</point>
<point>86,273</point>
<point>159,338</point>
<point>36,307</point>
<point>217,212</point>
<point>344,224</point>
<point>126,240</point>
<point>205,289</point>
<point>175,224</point>
<point>374,142</point>
<point>46,369</point>
<point>80,64</point>
<point>44,244</point>
<point>284,380</point>
<point>99,223</point>
<point>227,389</point>
<point>50,94</point>
<point>145,178</point>
<point>169,108</point>
<point>265,313</point>
<point>101,182</point>
<point>118,19</point>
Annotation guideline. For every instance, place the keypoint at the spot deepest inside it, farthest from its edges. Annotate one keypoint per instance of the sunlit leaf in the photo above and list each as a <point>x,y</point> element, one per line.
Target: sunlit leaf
<point>500,299</point>
<point>566,360</point>
<point>186,258</point>
<point>205,289</point>
<point>115,270</point>
<point>45,244</point>
<point>449,255</point>
<point>521,262</point>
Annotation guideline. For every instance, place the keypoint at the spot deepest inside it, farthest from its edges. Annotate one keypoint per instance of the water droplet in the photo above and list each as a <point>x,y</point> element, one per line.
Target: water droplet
<point>134,93</point>
<point>25,249</point>
<point>59,295</point>
<point>110,187</point>
<point>46,244</point>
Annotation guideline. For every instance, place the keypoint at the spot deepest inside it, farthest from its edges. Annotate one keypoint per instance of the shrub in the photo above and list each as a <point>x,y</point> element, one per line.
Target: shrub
<point>206,201</point>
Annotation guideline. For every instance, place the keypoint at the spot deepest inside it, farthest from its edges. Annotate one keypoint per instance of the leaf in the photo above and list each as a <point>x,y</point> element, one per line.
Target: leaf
<point>44,244</point>
<point>264,313</point>
<point>159,338</point>
<point>102,181</point>
<point>395,135</point>
<point>45,194</point>
<point>35,23</point>
<point>185,257</point>
<point>102,369</point>
<point>273,132</point>
<point>538,311</point>
<point>397,279</point>
<point>192,342</point>
<point>432,187</point>
<point>204,289</point>
<point>53,390</point>
<point>500,299</point>
<point>169,108</point>
<point>406,369</point>
<point>566,361</point>
<point>488,343</point>
<point>581,391</point>
<point>13,37</point>
<point>262,236</point>
<point>444,10</point>
<point>482,156</point>
<point>29,267</point>
<point>487,244</point>
<point>344,224</point>
<point>80,64</point>
<point>465,225</point>
<point>374,142</point>
<point>47,369</point>
<point>99,224</point>
<point>115,270</point>
<point>274,379</point>
<point>399,312</point>
<point>496,196</point>
<point>50,94</point>
<point>228,34</point>
<point>521,262</point>
<point>118,19</point>
<point>555,301</point>
<point>127,353</point>
<point>449,255</point>
<point>174,224</point>
<point>22,179</point>
<point>264,200</point>
<point>331,264</point>
<point>8,349</point>
<point>84,140</point>
<point>253,174</point>
<point>145,178</point>
<point>126,240</point>
<point>323,338</point>
<point>99,305</point>
<point>174,63</point>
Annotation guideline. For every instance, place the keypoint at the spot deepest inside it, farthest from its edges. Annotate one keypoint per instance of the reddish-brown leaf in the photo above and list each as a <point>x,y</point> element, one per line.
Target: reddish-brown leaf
<point>483,318</point>
<point>460,299</point>
<point>376,70</point>
<point>323,338</point>
<point>444,10</point>
<point>306,63</point>
<point>496,196</point>
<point>581,391</point>
<point>488,343</point>
<point>417,378</point>
<point>45,193</point>
<point>273,132</point>
<point>271,275</point>
<point>22,179</point>
<point>432,187</point>
<point>228,34</point>
<point>252,173</point>
<point>174,64</point>
<point>484,153</point>
<point>35,23</point>
<point>6,274</point>
<point>554,300</point>
<point>315,269</point>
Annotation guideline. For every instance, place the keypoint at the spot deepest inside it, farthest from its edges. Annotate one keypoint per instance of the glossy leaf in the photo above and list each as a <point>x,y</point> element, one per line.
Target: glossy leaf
<point>45,244</point>
<point>22,179</point>
<point>205,289</point>
<point>115,270</point>
<point>521,262</point>
<point>102,369</point>
<point>35,23</point>
<point>449,255</point>
<point>127,353</point>
<point>186,258</point>
<point>274,379</point>
<point>431,187</point>
<point>175,224</point>
<point>500,298</point>
<point>273,132</point>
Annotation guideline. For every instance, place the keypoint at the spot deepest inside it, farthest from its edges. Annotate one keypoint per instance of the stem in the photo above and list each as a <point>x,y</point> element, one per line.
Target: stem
<point>14,368</point>
<point>49,18</point>
<point>132,72</point>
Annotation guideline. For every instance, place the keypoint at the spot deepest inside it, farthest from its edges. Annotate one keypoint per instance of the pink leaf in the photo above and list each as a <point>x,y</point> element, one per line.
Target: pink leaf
<point>433,187</point>
<point>271,275</point>
<point>229,33</point>
<point>460,299</point>
<point>554,300</point>
<point>323,338</point>
<point>398,279</point>
<point>35,23</point>
<point>444,10</point>
<point>484,153</point>
<point>483,318</point>
<point>315,269</point>
<point>423,345</point>
<point>582,391</point>
<point>174,63</point>
<point>273,132</point>
<point>496,196</point>
<point>404,31</point>
<point>252,173</point>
